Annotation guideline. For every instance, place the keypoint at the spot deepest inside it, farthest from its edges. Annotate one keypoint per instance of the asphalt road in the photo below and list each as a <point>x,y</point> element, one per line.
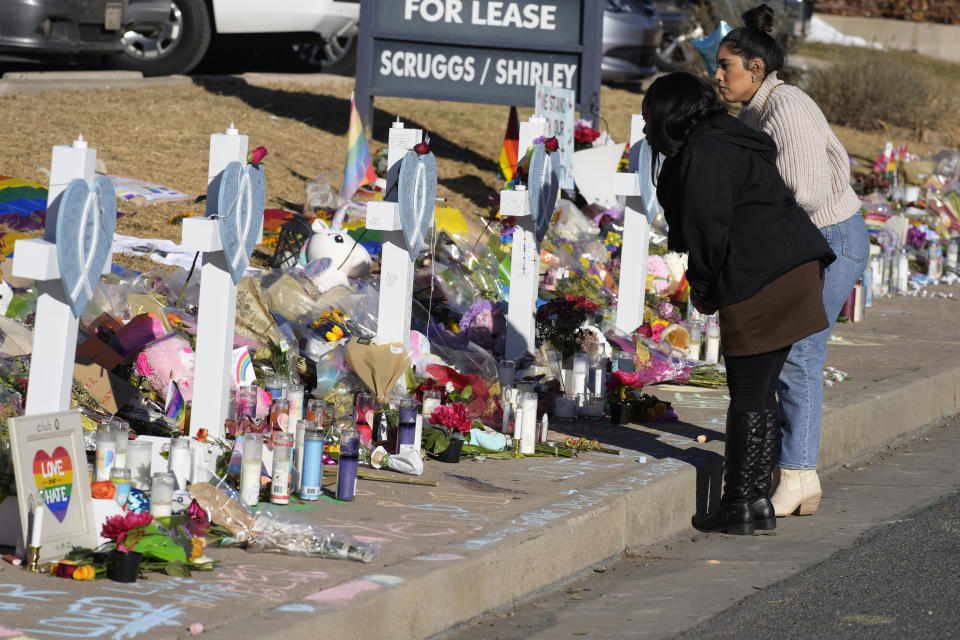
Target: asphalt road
<point>881,559</point>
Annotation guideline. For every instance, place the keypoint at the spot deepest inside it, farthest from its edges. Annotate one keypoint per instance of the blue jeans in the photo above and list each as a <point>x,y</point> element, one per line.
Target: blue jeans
<point>801,379</point>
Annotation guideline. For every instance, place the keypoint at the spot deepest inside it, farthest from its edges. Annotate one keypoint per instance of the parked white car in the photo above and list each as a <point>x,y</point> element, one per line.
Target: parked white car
<point>172,36</point>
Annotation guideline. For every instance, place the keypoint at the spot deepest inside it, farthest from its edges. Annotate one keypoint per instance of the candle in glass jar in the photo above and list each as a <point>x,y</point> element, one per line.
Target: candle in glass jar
<point>295,398</point>
<point>316,411</point>
<point>123,437</point>
<point>250,468</point>
<point>280,483</point>
<point>120,477</point>
<point>581,363</point>
<point>712,351</point>
<point>695,337</point>
<point>276,386</point>
<point>311,478</point>
<point>139,461</point>
<point>302,427</point>
<point>347,465</point>
<point>528,429</point>
<point>246,403</point>
<point>106,449</point>
<point>407,424</point>
<point>179,461</point>
<point>280,414</point>
<point>161,494</point>
<point>431,400</point>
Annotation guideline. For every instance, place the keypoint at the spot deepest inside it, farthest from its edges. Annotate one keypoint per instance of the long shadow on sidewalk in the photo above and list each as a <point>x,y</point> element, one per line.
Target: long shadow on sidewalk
<point>630,439</point>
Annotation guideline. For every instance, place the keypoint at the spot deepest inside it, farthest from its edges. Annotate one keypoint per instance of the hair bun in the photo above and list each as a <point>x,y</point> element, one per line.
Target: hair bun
<point>760,17</point>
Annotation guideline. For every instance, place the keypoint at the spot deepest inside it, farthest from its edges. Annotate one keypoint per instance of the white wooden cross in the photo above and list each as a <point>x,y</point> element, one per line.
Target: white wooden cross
<point>636,238</point>
<point>396,268</point>
<point>524,255</point>
<point>55,331</point>
<point>218,293</point>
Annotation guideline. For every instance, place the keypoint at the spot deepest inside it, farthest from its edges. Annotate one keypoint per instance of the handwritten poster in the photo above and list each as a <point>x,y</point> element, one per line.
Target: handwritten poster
<point>557,106</point>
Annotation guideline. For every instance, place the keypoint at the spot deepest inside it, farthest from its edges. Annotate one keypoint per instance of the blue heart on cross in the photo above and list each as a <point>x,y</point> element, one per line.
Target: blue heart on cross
<point>86,221</point>
<point>243,195</point>
<point>543,187</point>
<point>417,197</point>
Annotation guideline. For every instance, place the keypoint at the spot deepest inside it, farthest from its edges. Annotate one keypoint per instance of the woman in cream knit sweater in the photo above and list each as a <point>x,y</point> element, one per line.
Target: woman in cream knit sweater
<point>816,168</point>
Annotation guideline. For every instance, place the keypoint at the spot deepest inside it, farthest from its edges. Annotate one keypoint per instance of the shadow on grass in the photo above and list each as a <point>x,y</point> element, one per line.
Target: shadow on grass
<point>332,115</point>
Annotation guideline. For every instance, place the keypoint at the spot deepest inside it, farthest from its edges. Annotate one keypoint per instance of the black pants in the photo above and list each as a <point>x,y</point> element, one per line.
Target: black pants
<point>752,380</point>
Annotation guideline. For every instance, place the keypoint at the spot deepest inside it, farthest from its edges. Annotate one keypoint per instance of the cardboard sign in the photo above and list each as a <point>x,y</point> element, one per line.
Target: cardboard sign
<point>50,468</point>
<point>110,391</point>
<point>556,105</point>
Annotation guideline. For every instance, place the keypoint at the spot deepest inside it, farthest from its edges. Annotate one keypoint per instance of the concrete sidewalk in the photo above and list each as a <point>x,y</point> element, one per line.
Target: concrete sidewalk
<point>496,531</point>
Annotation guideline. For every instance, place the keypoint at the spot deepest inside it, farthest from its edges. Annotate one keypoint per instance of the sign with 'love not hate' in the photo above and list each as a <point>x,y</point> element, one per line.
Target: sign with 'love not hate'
<point>50,468</point>
<point>488,51</point>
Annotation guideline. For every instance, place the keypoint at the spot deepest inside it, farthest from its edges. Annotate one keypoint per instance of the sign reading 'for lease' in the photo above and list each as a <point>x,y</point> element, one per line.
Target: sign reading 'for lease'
<point>491,51</point>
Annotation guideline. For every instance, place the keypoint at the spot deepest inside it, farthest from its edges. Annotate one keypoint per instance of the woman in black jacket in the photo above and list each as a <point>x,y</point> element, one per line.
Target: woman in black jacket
<point>754,255</point>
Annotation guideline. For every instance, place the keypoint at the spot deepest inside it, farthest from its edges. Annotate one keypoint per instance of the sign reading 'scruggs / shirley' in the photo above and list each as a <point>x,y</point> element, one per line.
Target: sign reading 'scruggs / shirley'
<point>491,51</point>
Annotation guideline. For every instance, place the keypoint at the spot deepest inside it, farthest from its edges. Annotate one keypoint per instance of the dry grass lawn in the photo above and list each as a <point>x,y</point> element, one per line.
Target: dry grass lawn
<point>161,135</point>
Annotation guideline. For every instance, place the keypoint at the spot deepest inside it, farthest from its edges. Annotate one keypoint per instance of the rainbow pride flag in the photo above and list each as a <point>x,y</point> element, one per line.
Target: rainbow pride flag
<point>507,165</point>
<point>358,169</point>
<point>176,406</point>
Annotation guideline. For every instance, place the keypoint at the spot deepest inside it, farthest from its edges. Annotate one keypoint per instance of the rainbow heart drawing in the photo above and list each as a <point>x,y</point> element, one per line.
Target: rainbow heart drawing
<point>54,478</point>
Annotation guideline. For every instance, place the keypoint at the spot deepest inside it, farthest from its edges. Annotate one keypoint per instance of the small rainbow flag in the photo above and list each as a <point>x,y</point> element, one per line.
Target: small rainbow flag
<point>176,406</point>
<point>358,169</point>
<point>507,165</point>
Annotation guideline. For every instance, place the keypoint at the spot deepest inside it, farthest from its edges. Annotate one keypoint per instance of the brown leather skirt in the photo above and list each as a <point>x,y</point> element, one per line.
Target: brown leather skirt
<point>784,311</point>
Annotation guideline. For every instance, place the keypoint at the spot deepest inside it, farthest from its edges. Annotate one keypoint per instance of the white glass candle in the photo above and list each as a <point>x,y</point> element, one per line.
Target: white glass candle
<point>581,363</point>
<point>295,398</point>
<point>179,461</point>
<point>139,461</point>
<point>106,450</point>
<point>431,400</point>
<point>694,342</point>
<point>123,437</point>
<point>951,262</point>
<point>903,272</point>
<point>528,430</point>
<point>37,528</point>
<point>250,468</point>
<point>712,355</point>
<point>161,494</point>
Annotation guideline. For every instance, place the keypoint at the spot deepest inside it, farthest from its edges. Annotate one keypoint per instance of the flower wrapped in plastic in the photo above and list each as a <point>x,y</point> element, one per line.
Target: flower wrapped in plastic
<point>653,365</point>
<point>267,532</point>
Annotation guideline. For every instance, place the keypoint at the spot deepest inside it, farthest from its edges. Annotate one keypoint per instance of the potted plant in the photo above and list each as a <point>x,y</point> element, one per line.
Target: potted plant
<point>621,391</point>
<point>445,437</point>
<point>123,563</point>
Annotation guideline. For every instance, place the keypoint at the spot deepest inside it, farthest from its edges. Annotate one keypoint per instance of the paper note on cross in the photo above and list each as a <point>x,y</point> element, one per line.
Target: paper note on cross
<point>236,194</point>
<point>641,206</point>
<point>403,217</point>
<point>67,264</point>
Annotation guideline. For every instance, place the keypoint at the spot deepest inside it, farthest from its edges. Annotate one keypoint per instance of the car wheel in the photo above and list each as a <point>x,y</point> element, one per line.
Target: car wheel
<point>674,54</point>
<point>176,46</point>
<point>336,55</point>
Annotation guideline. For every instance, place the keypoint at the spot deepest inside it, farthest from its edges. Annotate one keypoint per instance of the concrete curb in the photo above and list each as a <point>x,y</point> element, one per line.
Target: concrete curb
<point>637,508</point>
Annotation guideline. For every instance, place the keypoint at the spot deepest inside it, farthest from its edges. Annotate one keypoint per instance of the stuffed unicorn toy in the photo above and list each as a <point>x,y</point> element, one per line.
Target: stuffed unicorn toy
<point>328,248</point>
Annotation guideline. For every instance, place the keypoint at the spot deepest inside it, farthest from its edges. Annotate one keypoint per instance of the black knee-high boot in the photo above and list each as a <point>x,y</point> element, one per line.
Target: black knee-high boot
<point>763,512</point>
<point>741,455</point>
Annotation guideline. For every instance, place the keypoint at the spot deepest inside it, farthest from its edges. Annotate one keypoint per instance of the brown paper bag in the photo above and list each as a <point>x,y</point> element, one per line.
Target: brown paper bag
<point>379,366</point>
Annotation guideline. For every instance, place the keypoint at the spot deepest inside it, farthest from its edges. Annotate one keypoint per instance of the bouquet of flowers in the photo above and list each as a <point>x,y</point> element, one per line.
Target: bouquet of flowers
<point>559,322</point>
<point>622,386</point>
<point>584,135</point>
<point>450,421</point>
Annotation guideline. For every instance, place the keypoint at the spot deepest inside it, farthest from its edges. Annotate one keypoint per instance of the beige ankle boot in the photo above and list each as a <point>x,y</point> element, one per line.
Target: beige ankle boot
<point>798,492</point>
